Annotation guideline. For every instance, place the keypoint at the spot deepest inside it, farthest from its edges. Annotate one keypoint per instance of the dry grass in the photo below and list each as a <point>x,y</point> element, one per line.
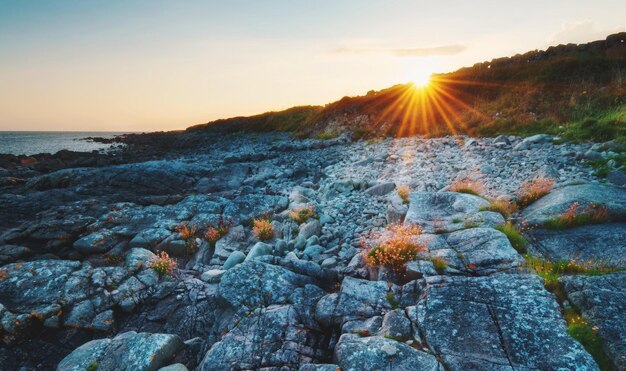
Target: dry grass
<point>502,206</point>
<point>404,191</point>
<point>396,248</point>
<point>468,185</point>
<point>262,228</point>
<point>573,217</point>
<point>301,214</point>
<point>214,233</point>
<point>163,264</point>
<point>533,190</point>
<point>187,231</point>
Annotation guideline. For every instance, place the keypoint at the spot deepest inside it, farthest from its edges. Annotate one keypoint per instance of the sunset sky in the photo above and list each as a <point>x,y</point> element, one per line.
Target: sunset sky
<point>160,65</point>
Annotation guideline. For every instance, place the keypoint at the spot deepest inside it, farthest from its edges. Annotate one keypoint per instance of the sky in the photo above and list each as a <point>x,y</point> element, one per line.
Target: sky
<point>164,65</point>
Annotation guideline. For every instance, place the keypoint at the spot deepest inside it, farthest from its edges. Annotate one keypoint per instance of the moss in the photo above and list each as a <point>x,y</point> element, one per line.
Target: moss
<point>515,236</point>
<point>439,264</point>
<point>392,300</point>
<point>93,366</point>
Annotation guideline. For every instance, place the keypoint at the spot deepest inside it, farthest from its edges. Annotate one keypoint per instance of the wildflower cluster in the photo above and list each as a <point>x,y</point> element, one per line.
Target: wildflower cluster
<point>468,185</point>
<point>403,192</point>
<point>263,229</point>
<point>533,190</point>
<point>573,217</point>
<point>214,233</point>
<point>162,264</point>
<point>301,214</point>
<point>396,247</point>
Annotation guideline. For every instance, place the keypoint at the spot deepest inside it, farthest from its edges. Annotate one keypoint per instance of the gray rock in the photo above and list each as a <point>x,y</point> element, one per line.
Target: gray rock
<point>354,353</point>
<point>318,367</point>
<point>236,257</point>
<point>484,250</point>
<point>363,327</point>
<point>362,299</point>
<point>126,351</point>
<point>212,276</point>
<point>559,200</point>
<point>601,301</point>
<point>326,219</point>
<point>596,244</point>
<point>502,321</point>
<point>310,228</point>
<point>381,189</point>
<point>420,268</point>
<point>502,139</point>
<point>174,367</point>
<point>96,242</point>
<point>396,326</point>
<point>259,249</point>
<point>313,251</point>
<point>617,177</point>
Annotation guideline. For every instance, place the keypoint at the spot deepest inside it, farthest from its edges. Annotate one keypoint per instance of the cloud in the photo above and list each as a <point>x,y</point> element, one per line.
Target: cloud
<point>580,31</point>
<point>406,52</point>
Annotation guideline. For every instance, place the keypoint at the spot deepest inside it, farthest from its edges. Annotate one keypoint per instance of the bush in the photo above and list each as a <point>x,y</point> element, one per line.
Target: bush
<point>468,185</point>
<point>533,190</point>
<point>404,191</point>
<point>163,264</point>
<point>515,237</point>
<point>593,214</point>
<point>212,234</point>
<point>187,231</point>
<point>262,228</point>
<point>439,264</point>
<point>301,214</point>
<point>396,248</point>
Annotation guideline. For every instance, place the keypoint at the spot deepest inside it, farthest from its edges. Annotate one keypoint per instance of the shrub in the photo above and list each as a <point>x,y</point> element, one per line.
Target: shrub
<point>468,185</point>
<point>502,206</point>
<point>163,264</point>
<point>403,192</point>
<point>514,235</point>
<point>533,190</point>
<point>593,214</point>
<point>301,214</point>
<point>187,231</point>
<point>396,248</point>
<point>262,228</point>
<point>439,264</point>
<point>212,234</point>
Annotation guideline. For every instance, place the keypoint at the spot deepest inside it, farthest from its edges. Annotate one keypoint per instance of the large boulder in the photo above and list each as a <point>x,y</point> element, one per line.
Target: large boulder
<point>126,351</point>
<point>449,211</point>
<point>559,200</point>
<point>593,244</point>
<point>484,250</point>
<point>355,353</point>
<point>502,321</point>
<point>601,301</point>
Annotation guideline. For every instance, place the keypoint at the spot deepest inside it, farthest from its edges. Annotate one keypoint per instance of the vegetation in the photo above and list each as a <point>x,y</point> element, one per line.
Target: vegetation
<point>439,264</point>
<point>391,299</point>
<point>515,236</point>
<point>263,229</point>
<point>163,264</point>
<point>396,248</point>
<point>502,206</point>
<point>93,366</point>
<point>584,333</point>
<point>604,165</point>
<point>301,214</point>
<point>214,233</point>
<point>404,191</point>
<point>533,190</point>
<point>467,185</point>
<point>188,233</point>
<point>593,214</point>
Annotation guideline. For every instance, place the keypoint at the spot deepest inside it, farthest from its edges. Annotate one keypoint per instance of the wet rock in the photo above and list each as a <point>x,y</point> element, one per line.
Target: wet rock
<point>126,351</point>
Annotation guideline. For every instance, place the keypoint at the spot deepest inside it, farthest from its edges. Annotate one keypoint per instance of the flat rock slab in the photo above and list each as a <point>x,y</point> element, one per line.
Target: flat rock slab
<point>602,301</point>
<point>126,351</point>
<point>559,200</point>
<point>503,322</point>
<point>602,244</point>
<point>449,211</point>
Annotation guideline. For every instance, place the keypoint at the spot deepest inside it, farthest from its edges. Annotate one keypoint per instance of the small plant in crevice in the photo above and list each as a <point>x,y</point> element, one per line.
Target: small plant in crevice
<point>403,192</point>
<point>502,206</point>
<point>391,299</point>
<point>93,366</point>
<point>574,217</point>
<point>468,185</point>
<point>188,233</point>
<point>587,336</point>
<point>112,259</point>
<point>533,190</point>
<point>213,233</point>
<point>440,264</point>
<point>395,248</point>
<point>515,237</point>
<point>301,214</point>
<point>263,229</point>
<point>162,264</point>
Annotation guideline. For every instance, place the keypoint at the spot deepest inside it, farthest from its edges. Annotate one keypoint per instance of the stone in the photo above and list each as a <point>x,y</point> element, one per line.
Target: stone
<point>559,200</point>
<point>212,275</point>
<point>363,327</point>
<point>617,177</point>
<point>420,268</point>
<point>381,189</point>
<point>354,353</point>
<point>484,250</point>
<point>174,367</point>
<point>236,257</point>
<point>96,242</point>
<point>601,302</point>
<point>126,351</point>
<point>318,367</point>
<point>259,249</point>
<point>310,228</point>
<point>396,326</point>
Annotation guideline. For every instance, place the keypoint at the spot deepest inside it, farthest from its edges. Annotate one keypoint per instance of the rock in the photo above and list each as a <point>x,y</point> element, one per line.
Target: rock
<point>420,268</point>
<point>617,177</point>
<point>354,353</point>
<point>259,249</point>
<point>236,257</point>
<point>212,276</point>
<point>499,321</point>
<point>126,351</point>
<point>96,242</point>
<point>326,219</point>
<point>362,299</point>
<point>329,262</point>
<point>396,211</point>
<point>396,326</point>
<point>437,212</point>
<point>310,228</point>
<point>313,251</point>
<point>559,200</point>
<point>174,367</point>
<point>318,367</point>
<point>363,327</point>
<point>601,301</point>
<point>484,250</point>
<point>502,139</point>
<point>534,139</point>
<point>381,189</point>
<point>593,244</point>
<point>252,284</point>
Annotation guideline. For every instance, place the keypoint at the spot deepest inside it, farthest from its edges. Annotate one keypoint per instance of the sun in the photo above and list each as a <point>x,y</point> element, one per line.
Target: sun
<point>420,79</point>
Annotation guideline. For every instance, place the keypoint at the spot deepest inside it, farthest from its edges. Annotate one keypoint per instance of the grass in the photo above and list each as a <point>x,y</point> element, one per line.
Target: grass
<point>301,214</point>
<point>263,229</point>
<point>395,248</point>
<point>404,191</point>
<point>532,190</point>
<point>439,264</point>
<point>585,334</point>
<point>93,366</point>
<point>326,135</point>
<point>605,165</point>
<point>467,185</point>
<point>515,236</point>
<point>502,206</point>
<point>391,299</point>
<point>593,214</point>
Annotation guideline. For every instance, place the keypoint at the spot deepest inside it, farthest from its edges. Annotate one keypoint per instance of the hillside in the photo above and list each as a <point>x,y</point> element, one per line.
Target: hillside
<point>575,90</point>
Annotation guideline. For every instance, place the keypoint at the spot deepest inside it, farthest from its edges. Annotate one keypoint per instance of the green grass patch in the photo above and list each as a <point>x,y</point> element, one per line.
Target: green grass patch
<point>439,264</point>
<point>515,236</point>
<point>593,214</point>
<point>603,166</point>
<point>585,334</point>
<point>392,300</point>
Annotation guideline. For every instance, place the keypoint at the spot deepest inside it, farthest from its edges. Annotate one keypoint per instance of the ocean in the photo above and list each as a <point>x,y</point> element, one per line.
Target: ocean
<point>33,142</point>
